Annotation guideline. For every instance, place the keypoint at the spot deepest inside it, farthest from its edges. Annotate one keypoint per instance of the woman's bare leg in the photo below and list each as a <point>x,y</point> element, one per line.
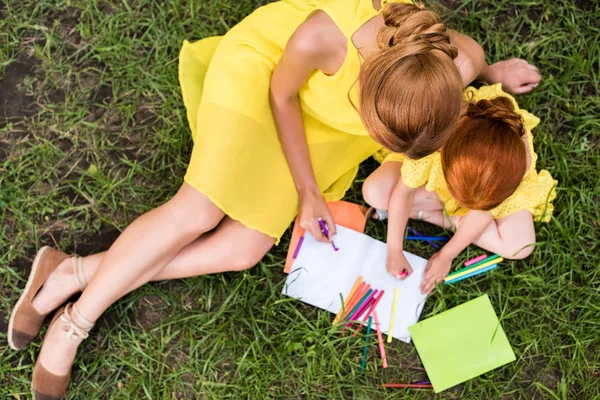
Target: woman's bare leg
<point>511,237</point>
<point>230,247</point>
<point>146,248</point>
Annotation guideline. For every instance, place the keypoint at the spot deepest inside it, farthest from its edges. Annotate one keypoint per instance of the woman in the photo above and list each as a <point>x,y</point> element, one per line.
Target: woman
<point>272,108</point>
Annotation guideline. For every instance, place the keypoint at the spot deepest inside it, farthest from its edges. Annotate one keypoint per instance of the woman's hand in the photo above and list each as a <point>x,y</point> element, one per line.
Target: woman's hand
<point>397,265</point>
<point>313,207</point>
<point>437,270</point>
<point>516,75</point>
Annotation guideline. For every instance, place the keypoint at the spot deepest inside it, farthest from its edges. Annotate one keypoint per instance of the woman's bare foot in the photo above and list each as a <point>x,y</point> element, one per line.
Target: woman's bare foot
<point>516,75</point>
<point>59,286</point>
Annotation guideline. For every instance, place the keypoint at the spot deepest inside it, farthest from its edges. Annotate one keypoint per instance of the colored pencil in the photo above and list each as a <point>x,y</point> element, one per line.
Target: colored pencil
<point>357,306</point>
<point>426,238</point>
<point>414,232</point>
<point>389,338</point>
<point>357,298</point>
<point>474,273</point>
<point>364,357</point>
<point>475,265</point>
<point>470,269</point>
<point>364,306</point>
<point>371,310</point>
<point>380,340</point>
<point>475,260</point>
<point>406,385</point>
<point>343,308</point>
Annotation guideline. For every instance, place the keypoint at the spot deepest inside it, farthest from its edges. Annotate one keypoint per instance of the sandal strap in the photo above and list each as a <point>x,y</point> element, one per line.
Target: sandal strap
<point>78,272</point>
<point>70,327</point>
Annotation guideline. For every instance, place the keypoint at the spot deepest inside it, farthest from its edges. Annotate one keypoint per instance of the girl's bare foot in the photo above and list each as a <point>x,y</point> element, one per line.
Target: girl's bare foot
<point>516,75</point>
<point>60,285</point>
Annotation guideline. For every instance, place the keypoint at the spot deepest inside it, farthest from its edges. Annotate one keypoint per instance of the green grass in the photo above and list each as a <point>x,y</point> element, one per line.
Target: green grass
<point>107,139</point>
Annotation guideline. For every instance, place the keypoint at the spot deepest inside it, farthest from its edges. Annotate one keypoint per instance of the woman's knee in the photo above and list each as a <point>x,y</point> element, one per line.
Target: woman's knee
<point>247,259</point>
<point>192,211</point>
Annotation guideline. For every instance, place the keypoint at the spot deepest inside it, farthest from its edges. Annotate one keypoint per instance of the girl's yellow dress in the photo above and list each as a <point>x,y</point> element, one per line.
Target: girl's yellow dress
<point>534,194</point>
<point>237,160</point>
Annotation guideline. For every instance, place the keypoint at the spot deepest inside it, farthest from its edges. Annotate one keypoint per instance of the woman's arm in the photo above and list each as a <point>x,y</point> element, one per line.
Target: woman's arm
<point>313,46</point>
<point>516,75</point>
<point>399,211</point>
<point>471,227</point>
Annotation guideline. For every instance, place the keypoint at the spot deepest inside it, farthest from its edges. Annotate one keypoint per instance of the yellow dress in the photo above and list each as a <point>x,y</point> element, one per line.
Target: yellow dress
<point>534,194</point>
<point>237,160</point>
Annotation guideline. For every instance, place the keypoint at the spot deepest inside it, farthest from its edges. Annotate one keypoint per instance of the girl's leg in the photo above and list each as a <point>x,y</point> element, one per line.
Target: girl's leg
<point>511,237</point>
<point>143,251</point>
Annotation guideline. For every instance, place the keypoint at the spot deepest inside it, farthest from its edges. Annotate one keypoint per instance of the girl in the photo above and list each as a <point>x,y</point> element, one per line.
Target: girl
<point>483,184</point>
<point>271,106</point>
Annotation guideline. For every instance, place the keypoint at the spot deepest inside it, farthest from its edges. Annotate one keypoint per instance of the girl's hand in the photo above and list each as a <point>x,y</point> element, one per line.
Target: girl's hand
<point>437,270</point>
<point>313,207</point>
<point>397,265</point>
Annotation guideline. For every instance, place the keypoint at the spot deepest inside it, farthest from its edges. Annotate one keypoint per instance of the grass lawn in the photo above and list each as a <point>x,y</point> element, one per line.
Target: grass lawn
<point>93,133</point>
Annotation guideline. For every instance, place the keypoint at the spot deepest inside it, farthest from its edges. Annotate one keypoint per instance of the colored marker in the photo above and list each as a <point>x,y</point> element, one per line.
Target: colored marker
<point>389,338</point>
<point>380,340</point>
<point>345,306</point>
<point>426,238</point>
<point>415,233</point>
<point>480,265</point>
<point>364,357</point>
<point>406,385</point>
<point>298,247</point>
<point>364,306</point>
<point>360,292</point>
<point>371,310</point>
<point>325,232</point>
<point>475,260</point>
<point>359,304</point>
<point>474,273</point>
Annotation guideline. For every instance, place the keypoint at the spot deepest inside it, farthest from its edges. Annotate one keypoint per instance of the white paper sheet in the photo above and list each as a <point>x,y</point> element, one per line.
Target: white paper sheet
<point>319,274</point>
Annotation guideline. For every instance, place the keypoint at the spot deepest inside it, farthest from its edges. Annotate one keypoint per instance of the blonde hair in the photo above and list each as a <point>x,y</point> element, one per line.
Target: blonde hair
<point>411,90</point>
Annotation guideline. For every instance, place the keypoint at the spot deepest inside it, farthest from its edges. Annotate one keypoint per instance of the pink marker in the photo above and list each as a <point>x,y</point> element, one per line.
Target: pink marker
<point>476,259</point>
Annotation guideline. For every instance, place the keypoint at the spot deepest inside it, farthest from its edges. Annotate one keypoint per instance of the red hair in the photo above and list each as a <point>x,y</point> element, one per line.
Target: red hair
<point>485,159</point>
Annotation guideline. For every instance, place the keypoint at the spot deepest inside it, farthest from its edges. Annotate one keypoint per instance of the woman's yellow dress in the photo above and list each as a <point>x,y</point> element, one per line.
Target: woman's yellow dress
<point>237,160</point>
<point>535,193</point>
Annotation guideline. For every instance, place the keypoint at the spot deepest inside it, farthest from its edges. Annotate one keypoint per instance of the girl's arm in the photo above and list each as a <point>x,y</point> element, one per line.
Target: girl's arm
<point>471,227</point>
<point>399,210</point>
<point>313,46</point>
<point>516,75</point>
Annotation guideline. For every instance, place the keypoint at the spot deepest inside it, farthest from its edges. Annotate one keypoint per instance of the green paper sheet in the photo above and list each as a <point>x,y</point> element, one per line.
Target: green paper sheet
<point>461,343</point>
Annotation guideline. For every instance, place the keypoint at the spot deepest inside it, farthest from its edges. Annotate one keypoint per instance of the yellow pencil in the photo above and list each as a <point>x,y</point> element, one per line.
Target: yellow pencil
<point>389,338</point>
<point>480,266</point>
<point>358,281</point>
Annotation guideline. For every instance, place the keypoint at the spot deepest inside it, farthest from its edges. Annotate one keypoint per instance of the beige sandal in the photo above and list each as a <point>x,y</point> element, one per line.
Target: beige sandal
<point>44,384</point>
<point>25,321</point>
